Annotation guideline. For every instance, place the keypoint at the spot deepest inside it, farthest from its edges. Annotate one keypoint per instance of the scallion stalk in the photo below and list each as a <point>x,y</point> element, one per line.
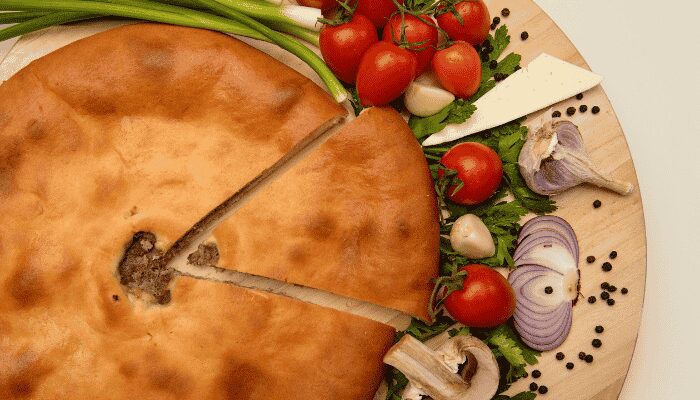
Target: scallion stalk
<point>41,22</point>
<point>286,14</point>
<point>186,17</point>
<point>302,33</point>
<point>314,61</point>
<point>21,16</point>
<point>237,23</point>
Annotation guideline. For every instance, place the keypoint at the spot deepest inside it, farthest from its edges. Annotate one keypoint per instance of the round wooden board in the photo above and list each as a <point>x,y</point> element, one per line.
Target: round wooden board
<point>617,225</point>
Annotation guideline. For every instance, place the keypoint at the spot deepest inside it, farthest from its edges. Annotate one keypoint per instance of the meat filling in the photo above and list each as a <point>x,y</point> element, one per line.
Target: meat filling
<point>142,270</point>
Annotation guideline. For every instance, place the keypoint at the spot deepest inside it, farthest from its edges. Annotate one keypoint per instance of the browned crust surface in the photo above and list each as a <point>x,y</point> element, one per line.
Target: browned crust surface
<point>131,130</point>
<point>358,217</point>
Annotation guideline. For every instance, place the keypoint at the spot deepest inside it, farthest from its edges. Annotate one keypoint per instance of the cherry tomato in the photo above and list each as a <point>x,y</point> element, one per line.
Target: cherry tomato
<point>378,11</point>
<point>342,46</point>
<point>421,37</point>
<point>478,167</point>
<point>486,301</point>
<point>458,69</point>
<point>385,72</point>
<point>476,19</point>
<point>324,5</point>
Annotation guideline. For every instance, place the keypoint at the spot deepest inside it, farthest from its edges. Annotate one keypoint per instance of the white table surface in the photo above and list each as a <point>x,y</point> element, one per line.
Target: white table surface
<point>649,54</point>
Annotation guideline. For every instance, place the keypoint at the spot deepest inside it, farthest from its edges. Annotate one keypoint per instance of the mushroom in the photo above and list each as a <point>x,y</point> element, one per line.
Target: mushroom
<point>471,238</point>
<point>425,97</point>
<point>554,159</point>
<point>435,373</point>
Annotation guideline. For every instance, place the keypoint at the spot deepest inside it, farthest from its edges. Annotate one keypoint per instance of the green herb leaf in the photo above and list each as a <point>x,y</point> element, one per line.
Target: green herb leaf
<point>422,331</point>
<point>508,65</point>
<point>455,113</point>
<point>499,40</point>
<point>519,396</point>
<point>524,195</point>
<point>463,331</point>
<point>505,343</point>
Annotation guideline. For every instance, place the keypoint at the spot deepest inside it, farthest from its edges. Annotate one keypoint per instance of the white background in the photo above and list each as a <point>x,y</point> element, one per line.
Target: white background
<point>649,53</point>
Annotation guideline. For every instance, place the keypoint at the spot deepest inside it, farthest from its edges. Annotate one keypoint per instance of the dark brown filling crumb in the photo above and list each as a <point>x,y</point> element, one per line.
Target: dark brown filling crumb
<point>206,255</point>
<point>142,270</point>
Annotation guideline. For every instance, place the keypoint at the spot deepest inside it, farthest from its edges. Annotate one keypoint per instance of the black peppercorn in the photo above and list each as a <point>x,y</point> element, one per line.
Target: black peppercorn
<point>592,299</point>
<point>115,297</point>
<point>613,255</point>
<point>549,290</point>
<point>524,35</point>
<point>581,356</point>
<point>493,27</point>
<point>607,267</point>
<point>624,290</point>
<point>496,20</point>
<point>536,373</point>
<point>599,329</point>
<point>612,289</point>
<point>597,204</point>
<point>499,77</point>
<point>533,386</point>
<point>493,64</point>
<point>543,389</point>
<point>589,358</point>
<point>560,356</point>
<point>569,365</point>
<point>583,108</point>
<point>590,259</point>
<point>604,285</point>
<point>556,114</point>
<point>505,12</point>
<point>595,109</point>
<point>604,295</point>
<point>570,111</point>
<point>611,302</point>
<point>579,96</point>
<point>597,343</point>
<point>484,57</point>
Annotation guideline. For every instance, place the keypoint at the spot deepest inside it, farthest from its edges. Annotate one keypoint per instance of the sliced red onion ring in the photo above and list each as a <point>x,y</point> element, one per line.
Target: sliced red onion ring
<point>553,224</point>
<point>545,282</point>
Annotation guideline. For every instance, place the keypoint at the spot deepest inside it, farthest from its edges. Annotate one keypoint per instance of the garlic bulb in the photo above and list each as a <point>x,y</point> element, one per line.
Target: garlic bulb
<point>554,159</point>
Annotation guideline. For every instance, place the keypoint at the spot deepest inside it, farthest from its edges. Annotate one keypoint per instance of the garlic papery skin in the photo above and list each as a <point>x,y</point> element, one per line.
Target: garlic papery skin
<point>554,159</point>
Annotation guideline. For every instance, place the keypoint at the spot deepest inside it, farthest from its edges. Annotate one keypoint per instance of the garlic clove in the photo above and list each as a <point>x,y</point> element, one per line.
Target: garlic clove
<point>554,159</point>
<point>425,97</point>
<point>471,238</point>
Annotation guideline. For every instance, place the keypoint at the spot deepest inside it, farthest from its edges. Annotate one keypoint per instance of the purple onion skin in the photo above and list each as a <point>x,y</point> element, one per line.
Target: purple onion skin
<point>554,224</point>
<point>541,327</point>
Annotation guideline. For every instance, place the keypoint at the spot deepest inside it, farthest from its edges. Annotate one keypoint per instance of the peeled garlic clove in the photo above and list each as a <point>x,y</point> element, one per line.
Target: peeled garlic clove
<point>471,238</point>
<point>424,97</point>
<point>554,159</point>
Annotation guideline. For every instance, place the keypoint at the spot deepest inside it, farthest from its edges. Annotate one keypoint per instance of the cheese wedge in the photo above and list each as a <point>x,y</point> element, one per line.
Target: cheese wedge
<point>545,81</point>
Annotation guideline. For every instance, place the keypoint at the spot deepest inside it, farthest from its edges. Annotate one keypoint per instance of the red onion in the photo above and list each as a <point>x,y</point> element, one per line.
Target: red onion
<point>546,257</point>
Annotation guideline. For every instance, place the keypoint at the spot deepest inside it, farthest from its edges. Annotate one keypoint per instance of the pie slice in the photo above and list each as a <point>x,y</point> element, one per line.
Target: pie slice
<point>358,218</point>
<point>123,141</point>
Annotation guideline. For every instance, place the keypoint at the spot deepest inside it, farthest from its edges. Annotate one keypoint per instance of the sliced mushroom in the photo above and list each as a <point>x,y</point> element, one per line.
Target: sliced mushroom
<point>435,373</point>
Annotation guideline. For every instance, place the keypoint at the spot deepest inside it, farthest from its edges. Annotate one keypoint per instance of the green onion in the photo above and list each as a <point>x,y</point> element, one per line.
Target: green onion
<point>236,22</point>
<point>299,32</point>
<point>189,18</point>
<point>22,16</point>
<point>41,22</point>
<point>287,14</point>
<point>315,62</point>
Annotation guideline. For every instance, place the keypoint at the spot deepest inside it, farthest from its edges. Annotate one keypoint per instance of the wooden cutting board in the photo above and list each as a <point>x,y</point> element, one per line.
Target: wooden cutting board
<point>617,225</point>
